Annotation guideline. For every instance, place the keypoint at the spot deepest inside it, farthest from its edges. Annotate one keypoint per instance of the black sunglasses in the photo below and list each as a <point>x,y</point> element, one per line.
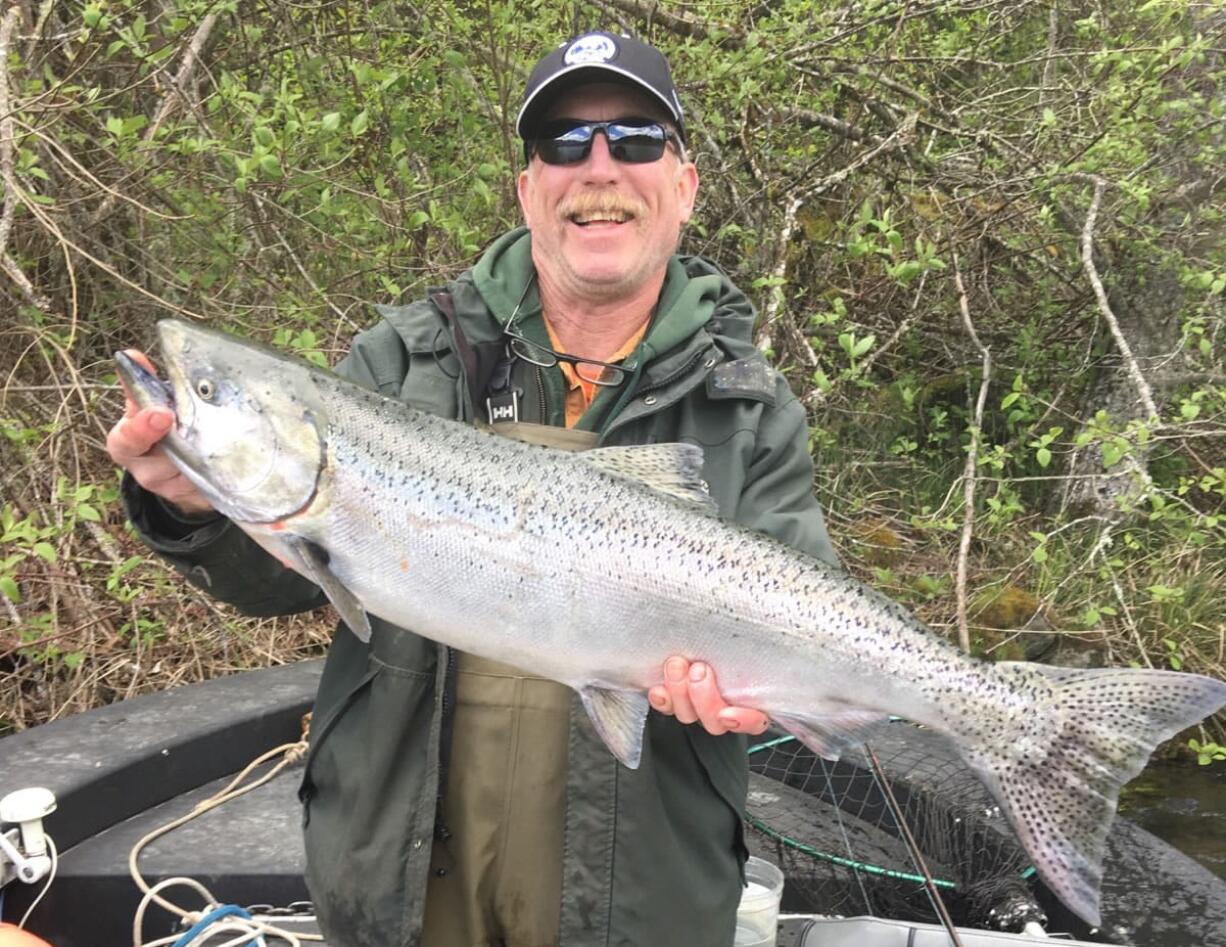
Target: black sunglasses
<point>635,141</point>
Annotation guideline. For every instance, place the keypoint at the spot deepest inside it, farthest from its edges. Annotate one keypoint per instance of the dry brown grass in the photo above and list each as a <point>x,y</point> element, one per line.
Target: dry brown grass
<point>99,618</point>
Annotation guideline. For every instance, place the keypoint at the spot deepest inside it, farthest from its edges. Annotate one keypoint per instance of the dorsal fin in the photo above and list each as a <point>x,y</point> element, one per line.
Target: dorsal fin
<point>674,470</point>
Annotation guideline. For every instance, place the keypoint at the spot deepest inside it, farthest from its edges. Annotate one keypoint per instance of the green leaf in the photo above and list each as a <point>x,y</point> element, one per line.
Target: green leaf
<point>87,512</point>
<point>73,660</point>
<point>264,136</point>
<point>331,122</point>
<point>271,166</point>
<point>863,345</point>
<point>46,550</point>
<point>417,219</point>
<point>359,124</point>
<point>1043,456</point>
<point>91,15</point>
<point>9,587</point>
<point>1112,454</point>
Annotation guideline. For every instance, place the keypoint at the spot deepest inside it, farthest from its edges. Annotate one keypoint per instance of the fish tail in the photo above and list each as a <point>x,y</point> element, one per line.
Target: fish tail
<point>1057,769</point>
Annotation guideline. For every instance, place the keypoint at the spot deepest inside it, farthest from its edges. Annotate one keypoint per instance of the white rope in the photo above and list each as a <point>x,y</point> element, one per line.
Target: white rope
<point>55,860</point>
<point>249,928</point>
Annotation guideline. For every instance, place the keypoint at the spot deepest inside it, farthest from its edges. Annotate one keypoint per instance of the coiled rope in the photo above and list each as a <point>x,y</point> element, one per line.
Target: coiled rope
<point>215,918</point>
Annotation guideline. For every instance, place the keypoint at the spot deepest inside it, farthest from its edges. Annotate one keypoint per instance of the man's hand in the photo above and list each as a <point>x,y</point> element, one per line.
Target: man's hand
<point>691,694</point>
<point>133,445</point>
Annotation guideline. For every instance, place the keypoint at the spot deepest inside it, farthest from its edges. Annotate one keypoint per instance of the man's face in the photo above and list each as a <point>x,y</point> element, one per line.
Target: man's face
<point>602,228</point>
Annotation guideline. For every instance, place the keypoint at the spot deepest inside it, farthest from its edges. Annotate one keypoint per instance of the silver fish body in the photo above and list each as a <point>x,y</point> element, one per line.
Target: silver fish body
<point>592,568</point>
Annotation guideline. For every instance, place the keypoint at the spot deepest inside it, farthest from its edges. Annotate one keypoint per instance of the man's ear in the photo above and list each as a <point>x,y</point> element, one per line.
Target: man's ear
<point>687,189</point>
<point>523,189</point>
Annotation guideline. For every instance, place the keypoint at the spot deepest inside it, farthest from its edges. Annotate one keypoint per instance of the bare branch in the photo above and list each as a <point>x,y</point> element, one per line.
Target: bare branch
<point>8,138</point>
<point>178,92</point>
<point>808,118</point>
<point>8,134</point>
<point>972,461</point>
<point>1087,260</point>
<point>1053,39</point>
<point>674,22</point>
<point>773,306</point>
<point>43,13</point>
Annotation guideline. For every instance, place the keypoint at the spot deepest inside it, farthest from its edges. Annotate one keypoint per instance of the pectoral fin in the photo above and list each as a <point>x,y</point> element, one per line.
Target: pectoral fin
<point>833,731</point>
<point>619,717</point>
<point>312,560</point>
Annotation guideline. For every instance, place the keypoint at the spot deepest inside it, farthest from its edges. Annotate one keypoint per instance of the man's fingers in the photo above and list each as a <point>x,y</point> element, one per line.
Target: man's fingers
<point>130,407</point>
<point>659,699</point>
<point>677,684</point>
<point>744,720</point>
<point>136,435</point>
<point>691,693</point>
<point>141,357</point>
<point>707,700</point>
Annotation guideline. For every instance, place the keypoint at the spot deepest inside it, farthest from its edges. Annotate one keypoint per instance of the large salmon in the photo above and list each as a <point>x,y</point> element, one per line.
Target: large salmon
<point>471,539</point>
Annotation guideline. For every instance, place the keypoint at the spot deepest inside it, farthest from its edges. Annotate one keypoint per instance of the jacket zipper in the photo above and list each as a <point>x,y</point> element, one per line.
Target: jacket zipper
<point>540,395</point>
<point>446,712</point>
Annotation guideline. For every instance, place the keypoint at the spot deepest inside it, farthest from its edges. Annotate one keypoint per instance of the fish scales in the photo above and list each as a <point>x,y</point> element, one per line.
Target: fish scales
<point>593,568</point>
<point>719,583</point>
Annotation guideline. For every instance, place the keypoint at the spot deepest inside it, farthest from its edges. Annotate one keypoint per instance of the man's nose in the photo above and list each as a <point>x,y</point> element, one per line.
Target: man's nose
<point>600,162</point>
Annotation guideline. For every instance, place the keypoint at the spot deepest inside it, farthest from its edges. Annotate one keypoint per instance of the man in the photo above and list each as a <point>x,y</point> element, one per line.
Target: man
<point>453,801</point>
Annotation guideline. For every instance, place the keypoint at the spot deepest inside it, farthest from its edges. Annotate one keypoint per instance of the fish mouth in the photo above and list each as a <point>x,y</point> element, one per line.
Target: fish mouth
<point>146,389</point>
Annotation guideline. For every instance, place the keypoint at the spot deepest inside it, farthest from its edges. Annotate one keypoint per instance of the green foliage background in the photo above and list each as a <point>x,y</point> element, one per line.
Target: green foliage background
<point>902,186</point>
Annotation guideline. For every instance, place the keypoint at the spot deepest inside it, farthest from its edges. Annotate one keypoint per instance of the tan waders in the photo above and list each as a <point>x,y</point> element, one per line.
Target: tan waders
<point>497,881</point>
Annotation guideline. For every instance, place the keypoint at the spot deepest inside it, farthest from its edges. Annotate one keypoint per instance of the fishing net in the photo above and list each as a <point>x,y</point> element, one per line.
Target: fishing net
<point>831,830</point>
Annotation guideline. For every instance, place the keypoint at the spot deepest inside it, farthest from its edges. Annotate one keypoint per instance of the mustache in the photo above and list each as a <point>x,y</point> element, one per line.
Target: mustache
<point>588,203</point>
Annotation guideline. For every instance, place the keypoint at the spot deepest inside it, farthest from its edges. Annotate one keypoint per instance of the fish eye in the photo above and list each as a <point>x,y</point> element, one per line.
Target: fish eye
<point>205,389</point>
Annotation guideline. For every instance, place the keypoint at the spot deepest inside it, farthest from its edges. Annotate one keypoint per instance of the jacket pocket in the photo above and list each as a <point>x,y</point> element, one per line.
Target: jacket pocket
<point>369,791</point>
<point>431,380</point>
<point>428,386</point>
<point>726,763</point>
<point>319,736</point>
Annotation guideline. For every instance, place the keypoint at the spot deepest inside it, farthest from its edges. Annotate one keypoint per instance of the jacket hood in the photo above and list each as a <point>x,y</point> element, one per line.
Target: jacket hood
<point>504,271</point>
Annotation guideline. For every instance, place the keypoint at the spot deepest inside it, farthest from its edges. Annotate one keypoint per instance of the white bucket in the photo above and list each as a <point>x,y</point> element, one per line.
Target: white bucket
<point>757,919</point>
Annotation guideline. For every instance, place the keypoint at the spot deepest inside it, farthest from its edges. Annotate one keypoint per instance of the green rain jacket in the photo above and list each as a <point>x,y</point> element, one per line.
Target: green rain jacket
<point>651,858</point>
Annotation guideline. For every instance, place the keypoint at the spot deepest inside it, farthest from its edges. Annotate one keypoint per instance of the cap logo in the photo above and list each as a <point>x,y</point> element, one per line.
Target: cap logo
<point>594,47</point>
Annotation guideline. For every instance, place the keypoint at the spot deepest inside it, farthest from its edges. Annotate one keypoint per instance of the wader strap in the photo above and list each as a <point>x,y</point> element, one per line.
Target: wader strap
<point>502,399</point>
<point>477,361</point>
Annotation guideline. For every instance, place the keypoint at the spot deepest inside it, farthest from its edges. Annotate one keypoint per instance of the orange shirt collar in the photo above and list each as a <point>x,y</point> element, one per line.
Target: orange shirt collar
<point>580,393</point>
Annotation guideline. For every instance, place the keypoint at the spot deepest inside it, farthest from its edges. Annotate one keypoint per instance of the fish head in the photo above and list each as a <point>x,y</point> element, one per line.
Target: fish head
<point>249,424</point>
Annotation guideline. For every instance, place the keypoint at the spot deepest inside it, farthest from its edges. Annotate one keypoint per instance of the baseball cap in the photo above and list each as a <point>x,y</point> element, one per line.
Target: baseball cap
<point>595,57</point>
